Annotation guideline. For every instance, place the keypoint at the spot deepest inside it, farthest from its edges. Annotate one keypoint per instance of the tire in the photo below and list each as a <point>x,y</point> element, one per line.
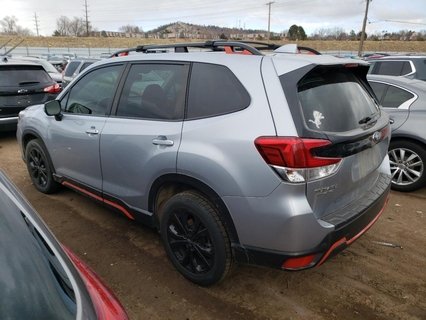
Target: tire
<point>39,167</point>
<point>408,165</point>
<point>195,239</point>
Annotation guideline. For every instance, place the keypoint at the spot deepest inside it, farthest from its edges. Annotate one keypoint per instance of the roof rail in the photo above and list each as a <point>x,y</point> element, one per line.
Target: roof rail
<point>214,45</point>
<point>230,47</point>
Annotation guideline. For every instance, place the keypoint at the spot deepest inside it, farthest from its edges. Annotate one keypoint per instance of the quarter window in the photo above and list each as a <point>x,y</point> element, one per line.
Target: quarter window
<point>154,91</point>
<point>94,92</point>
<point>214,90</point>
<point>395,97</point>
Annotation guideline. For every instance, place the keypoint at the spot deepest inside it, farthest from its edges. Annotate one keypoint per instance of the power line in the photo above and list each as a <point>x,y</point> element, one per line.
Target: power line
<point>364,23</point>
<point>87,18</point>
<point>269,4</point>
<point>36,23</point>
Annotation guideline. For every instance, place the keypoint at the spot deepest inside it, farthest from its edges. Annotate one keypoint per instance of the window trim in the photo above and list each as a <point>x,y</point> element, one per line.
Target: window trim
<point>405,105</point>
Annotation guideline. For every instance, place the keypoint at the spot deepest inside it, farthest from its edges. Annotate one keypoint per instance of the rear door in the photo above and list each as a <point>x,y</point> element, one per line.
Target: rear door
<point>335,103</point>
<point>140,142</point>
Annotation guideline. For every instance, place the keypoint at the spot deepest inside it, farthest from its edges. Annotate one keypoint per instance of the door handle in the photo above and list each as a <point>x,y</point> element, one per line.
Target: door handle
<point>162,141</point>
<point>391,121</point>
<point>92,130</point>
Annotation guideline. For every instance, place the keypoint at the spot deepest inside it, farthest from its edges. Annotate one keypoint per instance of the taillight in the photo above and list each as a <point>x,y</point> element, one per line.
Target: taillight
<point>293,160</point>
<point>54,88</point>
<point>106,305</point>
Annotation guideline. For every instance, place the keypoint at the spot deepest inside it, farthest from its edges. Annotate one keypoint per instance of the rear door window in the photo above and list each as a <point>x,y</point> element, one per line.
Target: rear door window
<point>214,90</point>
<point>333,99</point>
<point>85,65</point>
<point>72,66</point>
<point>154,91</point>
<point>390,68</point>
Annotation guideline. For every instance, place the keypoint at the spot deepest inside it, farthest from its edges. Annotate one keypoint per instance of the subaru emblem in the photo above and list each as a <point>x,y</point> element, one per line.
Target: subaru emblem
<point>376,137</point>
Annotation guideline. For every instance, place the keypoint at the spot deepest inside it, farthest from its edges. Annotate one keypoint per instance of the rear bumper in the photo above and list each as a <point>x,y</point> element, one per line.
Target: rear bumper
<point>333,243</point>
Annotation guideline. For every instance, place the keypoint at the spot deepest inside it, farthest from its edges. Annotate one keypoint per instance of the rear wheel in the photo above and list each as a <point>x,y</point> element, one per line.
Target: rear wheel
<point>407,162</point>
<point>195,239</point>
<point>39,168</point>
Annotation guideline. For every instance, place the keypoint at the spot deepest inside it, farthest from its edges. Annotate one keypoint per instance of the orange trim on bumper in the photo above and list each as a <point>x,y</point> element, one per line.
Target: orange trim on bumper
<point>344,241</point>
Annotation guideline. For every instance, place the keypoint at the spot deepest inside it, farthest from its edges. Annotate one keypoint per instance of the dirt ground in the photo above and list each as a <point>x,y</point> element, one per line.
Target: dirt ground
<point>366,281</point>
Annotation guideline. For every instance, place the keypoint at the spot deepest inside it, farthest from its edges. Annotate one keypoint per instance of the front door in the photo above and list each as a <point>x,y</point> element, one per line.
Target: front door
<point>74,140</point>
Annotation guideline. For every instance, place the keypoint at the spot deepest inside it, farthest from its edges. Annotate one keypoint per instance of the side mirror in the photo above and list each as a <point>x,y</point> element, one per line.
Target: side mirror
<point>53,108</point>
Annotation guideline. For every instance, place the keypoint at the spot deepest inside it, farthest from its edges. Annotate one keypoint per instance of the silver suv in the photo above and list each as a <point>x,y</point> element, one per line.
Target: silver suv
<point>277,160</point>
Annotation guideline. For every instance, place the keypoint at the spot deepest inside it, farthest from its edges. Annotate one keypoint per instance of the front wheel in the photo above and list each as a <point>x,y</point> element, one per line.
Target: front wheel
<point>195,239</point>
<point>39,168</point>
<point>407,164</point>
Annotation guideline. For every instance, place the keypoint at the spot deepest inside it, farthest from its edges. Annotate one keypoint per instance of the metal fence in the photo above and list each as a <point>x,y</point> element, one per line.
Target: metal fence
<point>97,52</point>
<point>42,51</point>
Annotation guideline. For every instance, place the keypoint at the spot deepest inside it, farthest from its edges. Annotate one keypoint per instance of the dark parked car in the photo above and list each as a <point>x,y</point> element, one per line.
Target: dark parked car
<point>74,67</point>
<point>405,102</point>
<point>40,279</point>
<point>22,83</point>
<point>413,67</point>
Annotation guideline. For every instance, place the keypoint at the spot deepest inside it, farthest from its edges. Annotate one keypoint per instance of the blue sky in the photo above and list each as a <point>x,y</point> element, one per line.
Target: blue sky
<point>389,15</point>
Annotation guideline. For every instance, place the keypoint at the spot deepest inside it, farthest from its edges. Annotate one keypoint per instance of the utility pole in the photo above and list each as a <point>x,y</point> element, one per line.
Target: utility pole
<point>361,42</point>
<point>36,23</point>
<point>87,18</point>
<point>269,19</point>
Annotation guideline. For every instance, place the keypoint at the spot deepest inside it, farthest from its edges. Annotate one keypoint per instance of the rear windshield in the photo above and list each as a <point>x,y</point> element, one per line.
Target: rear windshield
<point>15,76</point>
<point>334,100</point>
<point>85,65</point>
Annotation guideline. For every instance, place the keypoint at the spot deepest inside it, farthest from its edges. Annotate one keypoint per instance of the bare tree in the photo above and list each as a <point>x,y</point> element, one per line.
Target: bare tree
<point>63,26</point>
<point>77,27</point>
<point>130,29</point>
<point>9,24</point>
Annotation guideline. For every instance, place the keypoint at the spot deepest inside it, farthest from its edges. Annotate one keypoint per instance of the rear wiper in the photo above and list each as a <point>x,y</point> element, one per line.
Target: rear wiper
<point>28,82</point>
<point>366,120</point>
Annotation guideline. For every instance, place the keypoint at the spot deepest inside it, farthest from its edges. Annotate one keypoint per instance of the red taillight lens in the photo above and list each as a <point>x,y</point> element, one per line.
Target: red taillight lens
<point>292,152</point>
<point>106,305</point>
<point>54,88</point>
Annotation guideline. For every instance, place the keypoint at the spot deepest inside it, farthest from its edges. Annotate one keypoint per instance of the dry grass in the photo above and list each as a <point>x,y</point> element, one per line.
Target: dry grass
<point>73,42</point>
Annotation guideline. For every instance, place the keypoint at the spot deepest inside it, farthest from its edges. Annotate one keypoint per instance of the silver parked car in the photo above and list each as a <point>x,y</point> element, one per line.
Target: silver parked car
<point>405,102</point>
<point>277,160</point>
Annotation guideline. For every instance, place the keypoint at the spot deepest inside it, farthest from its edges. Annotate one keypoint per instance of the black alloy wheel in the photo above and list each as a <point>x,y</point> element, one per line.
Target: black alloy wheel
<point>39,167</point>
<point>195,238</point>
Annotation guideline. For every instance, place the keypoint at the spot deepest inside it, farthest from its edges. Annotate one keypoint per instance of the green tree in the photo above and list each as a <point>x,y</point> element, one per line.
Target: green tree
<point>296,33</point>
<point>301,34</point>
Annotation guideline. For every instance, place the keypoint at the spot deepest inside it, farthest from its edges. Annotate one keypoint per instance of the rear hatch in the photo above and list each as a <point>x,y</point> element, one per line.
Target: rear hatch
<point>22,86</point>
<point>345,136</point>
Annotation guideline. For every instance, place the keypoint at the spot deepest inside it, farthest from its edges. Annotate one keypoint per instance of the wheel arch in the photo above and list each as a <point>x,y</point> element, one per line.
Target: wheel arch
<point>170,184</point>
<point>29,135</point>
<point>410,138</point>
